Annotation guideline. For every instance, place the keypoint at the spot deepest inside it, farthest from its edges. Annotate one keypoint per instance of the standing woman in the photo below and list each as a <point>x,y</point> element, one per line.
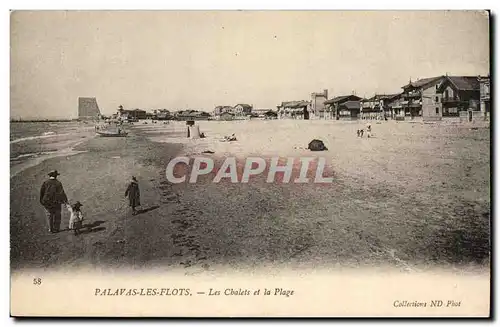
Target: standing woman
<point>134,195</point>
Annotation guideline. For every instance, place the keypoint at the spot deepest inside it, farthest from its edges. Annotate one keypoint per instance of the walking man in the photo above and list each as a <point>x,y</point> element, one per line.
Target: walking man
<point>52,196</point>
<point>134,195</point>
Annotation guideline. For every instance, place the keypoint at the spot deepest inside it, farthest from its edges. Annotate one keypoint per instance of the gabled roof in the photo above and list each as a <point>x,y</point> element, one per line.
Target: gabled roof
<point>422,82</point>
<point>459,82</point>
<point>351,105</point>
<point>389,96</point>
<point>382,97</point>
<point>295,104</point>
<point>465,83</point>
<point>244,105</point>
<point>342,98</point>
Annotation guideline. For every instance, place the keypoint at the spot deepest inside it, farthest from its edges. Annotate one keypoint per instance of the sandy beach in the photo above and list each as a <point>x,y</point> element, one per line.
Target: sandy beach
<point>414,197</point>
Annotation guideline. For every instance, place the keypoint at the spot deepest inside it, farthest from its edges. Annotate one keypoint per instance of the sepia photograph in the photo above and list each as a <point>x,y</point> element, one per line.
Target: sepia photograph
<point>250,163</point>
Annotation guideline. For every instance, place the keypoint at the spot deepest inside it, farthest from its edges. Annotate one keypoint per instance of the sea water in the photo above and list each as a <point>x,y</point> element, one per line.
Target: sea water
<point>33,142</point>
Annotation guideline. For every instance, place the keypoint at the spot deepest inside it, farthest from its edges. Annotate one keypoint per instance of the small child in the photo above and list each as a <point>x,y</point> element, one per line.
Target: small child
<point>76,219</point>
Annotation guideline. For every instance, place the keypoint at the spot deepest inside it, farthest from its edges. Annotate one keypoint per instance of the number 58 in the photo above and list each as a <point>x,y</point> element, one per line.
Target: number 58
<point>37,281</point>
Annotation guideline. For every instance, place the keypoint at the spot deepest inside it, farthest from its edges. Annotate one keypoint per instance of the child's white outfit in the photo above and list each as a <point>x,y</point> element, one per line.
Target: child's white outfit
<point>76,219</point>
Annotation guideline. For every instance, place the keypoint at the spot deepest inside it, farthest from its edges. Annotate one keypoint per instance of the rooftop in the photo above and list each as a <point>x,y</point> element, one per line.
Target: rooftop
<point>342,98</point>
<point>244,105</point>
<point>464,82</point>
<point>351,105</point>
<point>295,104</point>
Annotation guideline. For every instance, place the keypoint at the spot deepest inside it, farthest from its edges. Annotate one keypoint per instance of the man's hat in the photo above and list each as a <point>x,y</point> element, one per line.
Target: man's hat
<point>77,204</point>
<point>54,173</point>
<point>134,179</point>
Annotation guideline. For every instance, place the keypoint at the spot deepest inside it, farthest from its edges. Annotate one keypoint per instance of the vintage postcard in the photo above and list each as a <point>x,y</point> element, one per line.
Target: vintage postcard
<point>250,163</point>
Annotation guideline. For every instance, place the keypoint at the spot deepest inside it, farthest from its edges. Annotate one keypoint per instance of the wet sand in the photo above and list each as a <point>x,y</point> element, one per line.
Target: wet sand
<point>414,197</point>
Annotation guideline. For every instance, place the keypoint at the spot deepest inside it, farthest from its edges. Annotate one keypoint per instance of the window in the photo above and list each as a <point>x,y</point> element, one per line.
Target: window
<point>437,86</point>
<point>437,100</point>
<point>437,111</point>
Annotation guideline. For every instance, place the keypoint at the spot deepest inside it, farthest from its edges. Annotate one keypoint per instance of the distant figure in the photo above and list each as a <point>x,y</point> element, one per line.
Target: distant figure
<point>368,129</point>
<point>134,195</point>
<point>76,219</point>
<point>357,132</point>
<point>361,132</point>
<point>52,196</point>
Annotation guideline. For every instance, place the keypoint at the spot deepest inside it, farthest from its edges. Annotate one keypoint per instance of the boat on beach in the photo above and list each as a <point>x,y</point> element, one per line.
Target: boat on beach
<point>112,133</point>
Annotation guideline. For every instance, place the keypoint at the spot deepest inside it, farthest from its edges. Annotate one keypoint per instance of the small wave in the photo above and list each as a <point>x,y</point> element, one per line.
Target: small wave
<point>33,154</point>
<point>43,136</point>
<point>40,157</point>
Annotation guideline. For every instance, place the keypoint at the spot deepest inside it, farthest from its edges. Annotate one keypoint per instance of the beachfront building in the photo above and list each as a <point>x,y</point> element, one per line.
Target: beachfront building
<point>348,105</point>
<point>393,105</point>
<point>459,94</point>
<point>135,114</point>
<point>260,112</point>
<point>435,97</point>
<point>294,109</point>
<point>191,114</point>
<point>318,107</point>
<point>349,110</point>
<point>242,109</point>
<point>219,110</point>
<point>163,114</point>
<point>380,106</point>
<point>484,94</point>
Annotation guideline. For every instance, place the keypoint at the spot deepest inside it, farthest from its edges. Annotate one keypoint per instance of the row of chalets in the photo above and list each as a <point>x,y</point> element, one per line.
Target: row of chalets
<point>432,99</point>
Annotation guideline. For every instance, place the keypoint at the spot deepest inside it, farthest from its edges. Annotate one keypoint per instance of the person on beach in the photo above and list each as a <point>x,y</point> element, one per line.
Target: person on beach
<point>134,195</point>
<point>76,219</point>
<point>368,129</point>
<point>52,196</point>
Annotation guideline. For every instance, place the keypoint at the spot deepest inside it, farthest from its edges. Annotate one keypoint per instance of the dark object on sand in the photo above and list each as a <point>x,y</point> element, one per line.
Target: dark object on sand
<point>208,151</point>
<point>112,134</point>
<point>317,145</point>
<point>229,138</point>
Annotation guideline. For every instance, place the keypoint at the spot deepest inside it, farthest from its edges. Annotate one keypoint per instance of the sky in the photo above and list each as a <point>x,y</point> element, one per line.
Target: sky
<point>200,59</point>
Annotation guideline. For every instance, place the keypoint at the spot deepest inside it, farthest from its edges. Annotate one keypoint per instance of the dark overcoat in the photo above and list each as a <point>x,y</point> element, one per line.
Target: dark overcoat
<point>133,193</point>
<point>52,194</point>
